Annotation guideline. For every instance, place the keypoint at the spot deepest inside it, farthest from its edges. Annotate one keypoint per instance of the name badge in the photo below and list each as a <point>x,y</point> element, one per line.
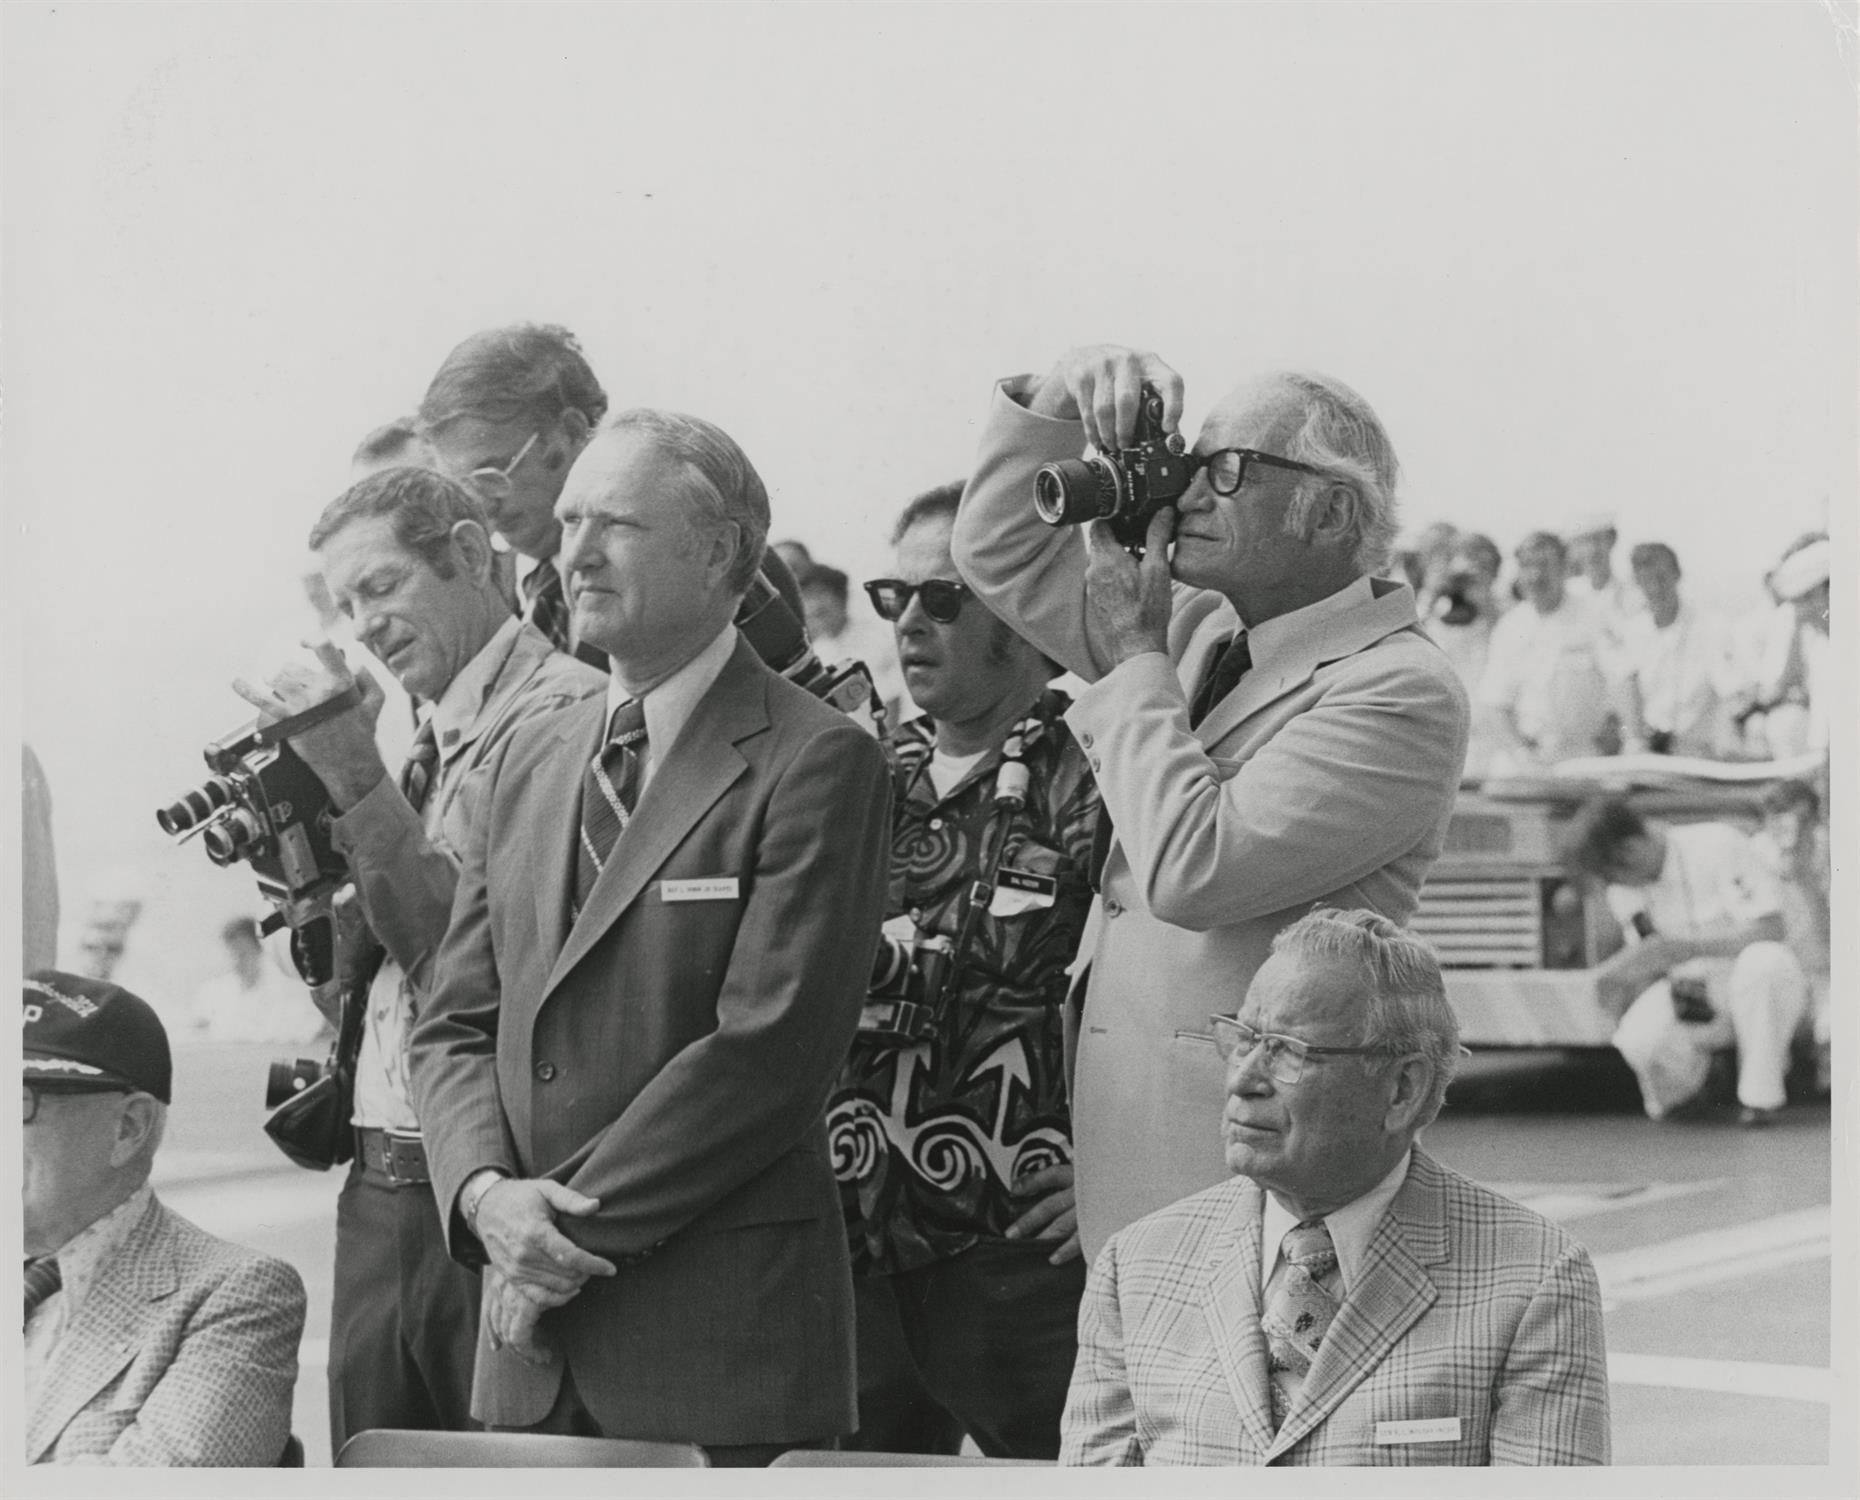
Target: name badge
<point>717,888</point>
<point>1018,891</point>
<point>1425,1430</point>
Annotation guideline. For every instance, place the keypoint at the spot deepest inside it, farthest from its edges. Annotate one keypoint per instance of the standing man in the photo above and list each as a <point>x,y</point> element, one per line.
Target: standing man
<point>1590,566</point>
<point>149,1343</point>
<point>1674,660</point>
<point>954,1143</point>
<point>408,562</point>
<point>1546,696</point>
<point>1271,730</point>
<point>506,415</point>
<point>662,937</point>
<point>1343,1298</point>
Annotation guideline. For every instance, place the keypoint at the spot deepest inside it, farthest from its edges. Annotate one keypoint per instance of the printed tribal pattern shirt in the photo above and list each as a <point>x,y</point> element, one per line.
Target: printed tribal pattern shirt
<point>929,1140</point>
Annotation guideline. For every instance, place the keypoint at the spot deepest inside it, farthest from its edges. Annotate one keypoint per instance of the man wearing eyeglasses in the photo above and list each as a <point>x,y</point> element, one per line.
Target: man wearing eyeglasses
<point>952,1139</point>
<point>1343,1298</point>
<point>149,1342</point>
<point>1267,722</point>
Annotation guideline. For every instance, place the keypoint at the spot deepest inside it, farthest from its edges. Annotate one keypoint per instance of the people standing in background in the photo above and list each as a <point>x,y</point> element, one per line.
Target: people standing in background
<point>1590,561</point>
<point>1793,686</point>
<point>1460,615</point>
<point>838,635</point>
<point>1545,695</point>
<point>254,1001</point>
<point>1674,662</point>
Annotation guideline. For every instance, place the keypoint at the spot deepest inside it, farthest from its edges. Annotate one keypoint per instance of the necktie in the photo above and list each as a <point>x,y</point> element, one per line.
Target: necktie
<point>1230,666</point>
<point>42,1279</point>
<point>1299,1310</point>
<point>608,794</point>
<point>416,777</point>
<point>548,604</point>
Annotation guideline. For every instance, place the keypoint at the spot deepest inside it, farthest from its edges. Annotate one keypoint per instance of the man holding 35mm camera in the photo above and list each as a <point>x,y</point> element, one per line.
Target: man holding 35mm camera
<point>407,558</point>
<point>1269,727</point>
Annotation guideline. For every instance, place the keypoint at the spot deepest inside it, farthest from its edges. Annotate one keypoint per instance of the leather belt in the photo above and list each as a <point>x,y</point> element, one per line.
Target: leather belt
<point>393,1158</point>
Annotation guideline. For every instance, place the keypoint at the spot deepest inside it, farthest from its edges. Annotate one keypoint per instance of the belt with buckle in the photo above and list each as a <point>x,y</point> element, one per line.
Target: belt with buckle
<point>394,1158</point>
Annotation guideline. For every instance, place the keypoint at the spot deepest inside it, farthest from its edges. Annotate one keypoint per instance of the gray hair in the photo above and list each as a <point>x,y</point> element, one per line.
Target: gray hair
<point>1341,434</point>
<point>1408,1011</point>
<point>721,482</point>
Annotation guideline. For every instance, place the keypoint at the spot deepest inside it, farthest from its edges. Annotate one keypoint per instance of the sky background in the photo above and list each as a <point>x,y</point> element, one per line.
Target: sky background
<point>1579,258</point>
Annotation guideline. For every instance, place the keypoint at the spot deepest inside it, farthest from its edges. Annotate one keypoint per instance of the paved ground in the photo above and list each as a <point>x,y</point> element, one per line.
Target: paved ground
<point>1713,1244</point>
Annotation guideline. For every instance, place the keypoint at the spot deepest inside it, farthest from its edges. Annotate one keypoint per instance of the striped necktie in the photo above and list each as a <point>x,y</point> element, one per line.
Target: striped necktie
<point>1234,662</point>
<point>548,610</point>
<point>42,1279</point>
<point>608,794</point>
<point>416,777</point>
<point>1299,1310</point>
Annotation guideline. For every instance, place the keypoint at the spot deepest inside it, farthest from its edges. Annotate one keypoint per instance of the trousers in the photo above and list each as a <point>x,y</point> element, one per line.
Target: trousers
<point>403,1326</point>
<point>1761,998</point>
<point>982,1342</point>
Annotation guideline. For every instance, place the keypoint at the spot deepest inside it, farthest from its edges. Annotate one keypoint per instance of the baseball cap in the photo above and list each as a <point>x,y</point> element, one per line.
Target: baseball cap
<point>89,1031</point>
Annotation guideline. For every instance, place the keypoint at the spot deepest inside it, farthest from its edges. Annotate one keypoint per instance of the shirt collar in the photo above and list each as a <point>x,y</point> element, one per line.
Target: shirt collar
<point>464,696</point>
<point>1352,1227</point>
<point>1282,636</point>
<point>670,705</point>
<point>84,1254</point>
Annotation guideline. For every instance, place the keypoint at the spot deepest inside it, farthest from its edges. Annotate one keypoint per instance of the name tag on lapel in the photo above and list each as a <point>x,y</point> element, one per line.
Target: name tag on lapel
<point>716,888</point>
<point>1424,1430</point>
<point>1017,891</point>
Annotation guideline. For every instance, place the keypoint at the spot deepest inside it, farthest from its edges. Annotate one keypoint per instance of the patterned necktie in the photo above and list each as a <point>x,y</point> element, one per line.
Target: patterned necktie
<point>548,604</point>
<point>1299,1310</point>
<point>1233,663</point>
<point>416,777</point>
<point>42,1279</point>
<point>608,794</point>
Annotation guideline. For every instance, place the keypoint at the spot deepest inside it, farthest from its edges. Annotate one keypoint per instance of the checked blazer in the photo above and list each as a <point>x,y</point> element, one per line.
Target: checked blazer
<point>1469,1306</point>
<point>183,1353</point>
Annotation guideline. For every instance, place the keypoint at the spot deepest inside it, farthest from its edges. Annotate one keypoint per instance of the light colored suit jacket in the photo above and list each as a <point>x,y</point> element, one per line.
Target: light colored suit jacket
<point>1326,777</point>
<point>1468,1307</point>
<point>183,1353</point>
<point>671,1058</point>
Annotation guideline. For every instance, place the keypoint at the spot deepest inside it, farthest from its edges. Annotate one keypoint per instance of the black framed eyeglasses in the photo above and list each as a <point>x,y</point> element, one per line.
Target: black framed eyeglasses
<point>34,1090</point>
<point>1227,467</point>
<point>943,598</point>
<point>1285,1055</point>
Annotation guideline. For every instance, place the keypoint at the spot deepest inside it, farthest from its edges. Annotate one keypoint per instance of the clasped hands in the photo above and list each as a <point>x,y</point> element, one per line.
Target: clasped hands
<point>1127,601</point>
<point>533,1265</point>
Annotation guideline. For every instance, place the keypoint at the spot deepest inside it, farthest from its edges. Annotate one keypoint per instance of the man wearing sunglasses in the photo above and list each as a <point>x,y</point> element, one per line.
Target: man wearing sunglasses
<point>1343,1298</point>
<point>1268,724</point>
<point>954,1146</point>
<point>149,1342</point>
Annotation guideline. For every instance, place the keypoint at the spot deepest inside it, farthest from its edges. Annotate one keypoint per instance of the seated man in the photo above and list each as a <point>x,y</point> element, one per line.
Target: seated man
<point>1674,661</point>
<point>148,1341</point>
<point>1344,1299</point>
<point>1705,966</point>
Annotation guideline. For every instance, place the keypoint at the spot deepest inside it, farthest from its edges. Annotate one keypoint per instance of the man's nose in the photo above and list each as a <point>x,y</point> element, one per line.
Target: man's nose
<point>1247,1072</point>
<point>574,546</point>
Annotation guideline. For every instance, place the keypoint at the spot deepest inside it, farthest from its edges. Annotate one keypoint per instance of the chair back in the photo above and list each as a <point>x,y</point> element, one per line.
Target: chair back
<point>827,1458</point>
<point>382,1448</point>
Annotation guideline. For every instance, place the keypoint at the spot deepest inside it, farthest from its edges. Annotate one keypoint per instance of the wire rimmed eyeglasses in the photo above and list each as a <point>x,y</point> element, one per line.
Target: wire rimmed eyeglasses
<point>942,598</point>
<point>1286,1056</point>
<point>494,483</point>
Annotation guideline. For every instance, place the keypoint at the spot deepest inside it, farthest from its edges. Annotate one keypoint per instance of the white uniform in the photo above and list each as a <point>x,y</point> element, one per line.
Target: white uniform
<point>1713,877</point>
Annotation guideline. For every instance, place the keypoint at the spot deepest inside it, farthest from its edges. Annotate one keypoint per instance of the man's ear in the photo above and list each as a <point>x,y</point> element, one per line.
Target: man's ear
<point>1412,1080</point>
<point>135,1128</point>
<point>474,548</point>
<point>1333,517</point>
<point>576,429</point>
<point>726,543</point>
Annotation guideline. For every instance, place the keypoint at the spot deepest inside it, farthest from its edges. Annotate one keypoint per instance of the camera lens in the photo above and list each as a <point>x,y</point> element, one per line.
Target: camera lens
<point>195,807</point>
<point>232,837</point>
<point>288,1078</point>
<point>1075,490</point>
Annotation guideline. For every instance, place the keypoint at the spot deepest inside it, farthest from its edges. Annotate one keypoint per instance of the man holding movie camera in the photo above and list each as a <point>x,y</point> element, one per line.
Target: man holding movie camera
<point>407,558</point>
<point>1269,726</point>
<point>951,1134</point>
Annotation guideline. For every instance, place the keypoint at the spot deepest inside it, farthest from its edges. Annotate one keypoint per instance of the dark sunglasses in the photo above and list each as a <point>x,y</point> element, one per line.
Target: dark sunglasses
<point>943,598</point>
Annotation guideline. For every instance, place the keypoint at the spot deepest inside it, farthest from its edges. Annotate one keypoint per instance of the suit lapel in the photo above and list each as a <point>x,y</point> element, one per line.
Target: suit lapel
<point>1230,1298</point>
<point>555,801</point>
<point>1391,1293</point>
<point>108,1327</point>
<point>697,769</point>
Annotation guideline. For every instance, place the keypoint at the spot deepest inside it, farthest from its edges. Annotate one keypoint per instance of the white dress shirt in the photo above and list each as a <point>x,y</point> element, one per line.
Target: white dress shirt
<point>79,1260</point>
<point>671,703</point>
<point>1352,1228</point>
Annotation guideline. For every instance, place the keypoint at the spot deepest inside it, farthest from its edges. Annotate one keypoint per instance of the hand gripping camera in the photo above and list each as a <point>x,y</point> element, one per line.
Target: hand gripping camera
<point>1125,488</point>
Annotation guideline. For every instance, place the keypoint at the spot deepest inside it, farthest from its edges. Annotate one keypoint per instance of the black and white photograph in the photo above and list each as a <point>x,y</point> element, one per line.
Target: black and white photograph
<point>991,737</point>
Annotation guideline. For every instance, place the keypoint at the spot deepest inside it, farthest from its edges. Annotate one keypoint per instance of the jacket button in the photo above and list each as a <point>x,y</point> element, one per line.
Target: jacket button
<point>545,1071</point>
<point>1096,764</point>
<point>1086,741</point>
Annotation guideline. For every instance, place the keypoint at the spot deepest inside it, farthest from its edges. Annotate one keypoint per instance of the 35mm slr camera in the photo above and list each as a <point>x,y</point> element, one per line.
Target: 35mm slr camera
<point>906,993</point>
<point>1125,488</point>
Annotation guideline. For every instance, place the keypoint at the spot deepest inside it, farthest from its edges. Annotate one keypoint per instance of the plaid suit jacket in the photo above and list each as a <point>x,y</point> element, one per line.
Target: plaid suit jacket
<point>184,1352</point>
<point>1469,1306</point>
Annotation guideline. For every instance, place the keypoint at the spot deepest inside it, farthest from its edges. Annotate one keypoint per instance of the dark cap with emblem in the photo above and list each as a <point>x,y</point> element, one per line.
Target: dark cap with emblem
<point>91,1032</point>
